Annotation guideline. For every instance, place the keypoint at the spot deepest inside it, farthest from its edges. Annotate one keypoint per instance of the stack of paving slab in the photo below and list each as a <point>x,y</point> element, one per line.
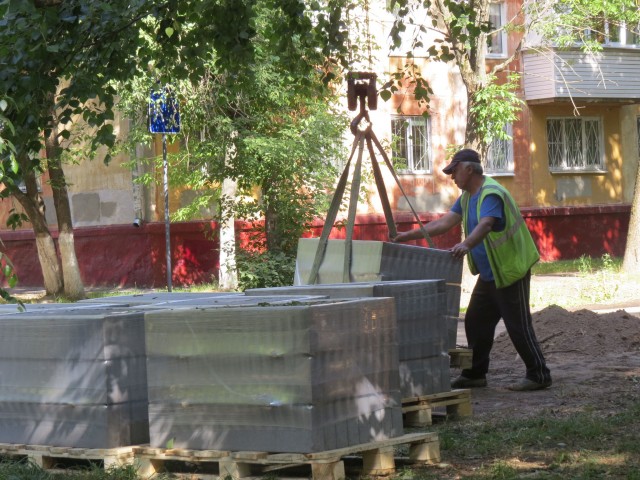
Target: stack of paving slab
<point>239,300</point>
<point>153,298</point>
<point>73,376</point>
<point>385,261</point>
<point>266,374</point>
<point>422,333</point>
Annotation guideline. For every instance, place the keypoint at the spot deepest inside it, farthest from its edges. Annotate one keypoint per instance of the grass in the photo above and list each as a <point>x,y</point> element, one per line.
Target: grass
<point>585,445</point>
<point>25,470</point>
<point>583,265</point>
<point>588,281</point>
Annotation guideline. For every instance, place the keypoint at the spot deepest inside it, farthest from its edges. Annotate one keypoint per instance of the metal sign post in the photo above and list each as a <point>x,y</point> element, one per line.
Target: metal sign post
<point>164,117</point>
<point>167,222</point>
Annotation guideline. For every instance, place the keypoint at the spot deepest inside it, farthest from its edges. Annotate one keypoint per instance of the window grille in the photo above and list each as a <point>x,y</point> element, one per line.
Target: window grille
<point>500,154</point>
<point>575,144</point>
<point>411,144</point>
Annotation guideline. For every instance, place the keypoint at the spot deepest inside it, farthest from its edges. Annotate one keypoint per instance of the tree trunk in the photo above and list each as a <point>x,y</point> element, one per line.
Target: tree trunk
<point>47,254</point>
<point>631,261</point>
<point>73,286</point>
<point>227,277</point>
<point>33,206</point>
<point>272,230</point>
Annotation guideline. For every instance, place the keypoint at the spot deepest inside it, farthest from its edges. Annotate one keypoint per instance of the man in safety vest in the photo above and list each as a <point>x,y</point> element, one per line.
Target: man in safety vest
<point>502,253</point>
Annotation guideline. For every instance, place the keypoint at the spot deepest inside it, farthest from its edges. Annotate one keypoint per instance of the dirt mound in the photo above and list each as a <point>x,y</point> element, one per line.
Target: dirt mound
<point>594,361</point>
<point>579,332</point>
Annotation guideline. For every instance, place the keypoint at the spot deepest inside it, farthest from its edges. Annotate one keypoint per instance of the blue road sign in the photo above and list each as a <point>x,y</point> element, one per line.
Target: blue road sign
<point>164,112</point>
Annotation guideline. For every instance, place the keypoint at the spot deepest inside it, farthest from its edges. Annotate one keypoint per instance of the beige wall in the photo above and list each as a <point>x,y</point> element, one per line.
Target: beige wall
<point>569,189</point>
<point>101,194</point>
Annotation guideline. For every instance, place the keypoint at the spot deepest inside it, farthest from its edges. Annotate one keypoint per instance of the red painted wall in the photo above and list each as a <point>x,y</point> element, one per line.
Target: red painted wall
<point>570,232</point>
<point>123,255</point>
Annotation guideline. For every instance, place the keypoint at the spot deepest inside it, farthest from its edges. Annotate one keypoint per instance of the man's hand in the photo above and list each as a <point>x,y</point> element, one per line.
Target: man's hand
<point>459,250</point>
<point>400,237</point>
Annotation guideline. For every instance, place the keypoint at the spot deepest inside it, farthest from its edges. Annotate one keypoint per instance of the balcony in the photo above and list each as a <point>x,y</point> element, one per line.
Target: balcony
<point>612,75</point>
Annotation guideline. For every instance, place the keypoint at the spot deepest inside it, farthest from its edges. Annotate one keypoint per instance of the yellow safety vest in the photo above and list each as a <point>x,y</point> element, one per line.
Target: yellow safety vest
<point>511,252</point>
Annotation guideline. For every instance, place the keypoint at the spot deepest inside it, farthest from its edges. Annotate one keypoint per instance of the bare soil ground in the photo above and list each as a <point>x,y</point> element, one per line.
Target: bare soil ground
<point>594,357</point>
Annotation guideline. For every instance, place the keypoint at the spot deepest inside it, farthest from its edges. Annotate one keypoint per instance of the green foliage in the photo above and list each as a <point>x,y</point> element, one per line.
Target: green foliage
<point>264,269</point>
<point>61,60</point>
<point>585,264</point>
<point>463,30</point>
<point>585,23</point>
<point>604,286</point>
<point>7,151</point>
<point>494,107</point>
<point>8,163</point>
<point>588,265</point>
<point>272,129</point>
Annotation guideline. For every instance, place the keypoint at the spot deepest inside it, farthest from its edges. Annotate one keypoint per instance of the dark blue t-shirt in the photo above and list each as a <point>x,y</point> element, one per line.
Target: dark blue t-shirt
<point>492,206</point>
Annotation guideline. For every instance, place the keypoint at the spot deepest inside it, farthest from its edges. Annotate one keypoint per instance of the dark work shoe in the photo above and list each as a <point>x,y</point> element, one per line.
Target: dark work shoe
<point>464,382</point>
<point>528,385</point>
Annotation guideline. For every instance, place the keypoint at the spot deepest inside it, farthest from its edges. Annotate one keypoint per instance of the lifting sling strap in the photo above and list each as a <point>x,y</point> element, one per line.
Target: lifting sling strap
<point>361,136</point>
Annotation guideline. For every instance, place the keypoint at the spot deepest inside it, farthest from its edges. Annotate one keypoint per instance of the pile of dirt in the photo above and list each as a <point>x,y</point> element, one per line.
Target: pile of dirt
<point>594,361</point>
<point>581,332</point>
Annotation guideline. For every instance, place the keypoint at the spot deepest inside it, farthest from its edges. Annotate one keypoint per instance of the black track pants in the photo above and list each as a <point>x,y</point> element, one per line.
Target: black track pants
<point>487,306</point>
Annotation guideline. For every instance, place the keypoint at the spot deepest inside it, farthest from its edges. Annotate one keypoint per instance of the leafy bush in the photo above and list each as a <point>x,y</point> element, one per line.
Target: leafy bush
<point>264,269</point>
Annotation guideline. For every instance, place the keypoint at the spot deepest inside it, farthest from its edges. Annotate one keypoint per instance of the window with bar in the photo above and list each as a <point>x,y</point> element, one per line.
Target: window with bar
<point>500,154</point>
<point>411,144</point>
<point>575,144</point>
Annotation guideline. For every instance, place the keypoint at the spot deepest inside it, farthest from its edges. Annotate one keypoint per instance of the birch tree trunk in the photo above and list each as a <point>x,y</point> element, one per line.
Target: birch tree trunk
<point>228,276</point>
<point>33,205</point>
<point>73,286</point>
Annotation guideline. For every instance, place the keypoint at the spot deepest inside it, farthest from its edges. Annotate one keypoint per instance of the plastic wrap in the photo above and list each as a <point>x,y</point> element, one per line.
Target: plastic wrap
<point>158,297</point>
<point>423,329</point>
<point>274,378</point>
<point>373,260</point>
<point>73,377</point>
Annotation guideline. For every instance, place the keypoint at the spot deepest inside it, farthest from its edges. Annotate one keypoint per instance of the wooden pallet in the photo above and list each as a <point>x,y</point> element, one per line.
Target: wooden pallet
<point>377,458</point>
<point>418,411</point>
<point>460,357</point>
<point>53,458</point>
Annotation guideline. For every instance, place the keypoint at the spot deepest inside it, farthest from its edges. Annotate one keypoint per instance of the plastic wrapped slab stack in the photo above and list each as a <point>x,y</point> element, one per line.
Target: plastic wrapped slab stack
<point>11,308</point>
<point>232,301</point>
<point>385,261</point>
<point>73,378</point>
<point>275,378</point>
<point>422,331</point>
<point>158,297</point>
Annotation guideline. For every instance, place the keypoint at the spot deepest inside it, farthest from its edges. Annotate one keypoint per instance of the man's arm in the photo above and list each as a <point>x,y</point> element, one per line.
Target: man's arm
<point>434,228</point>
<point>478,234</point>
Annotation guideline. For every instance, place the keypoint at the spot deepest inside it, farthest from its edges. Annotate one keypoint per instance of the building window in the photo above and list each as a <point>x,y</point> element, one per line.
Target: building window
<point>500,154</point>
<point>612,33</point>
<point>411,144</point>
<point>575,144</point>
<point>497,42</point>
